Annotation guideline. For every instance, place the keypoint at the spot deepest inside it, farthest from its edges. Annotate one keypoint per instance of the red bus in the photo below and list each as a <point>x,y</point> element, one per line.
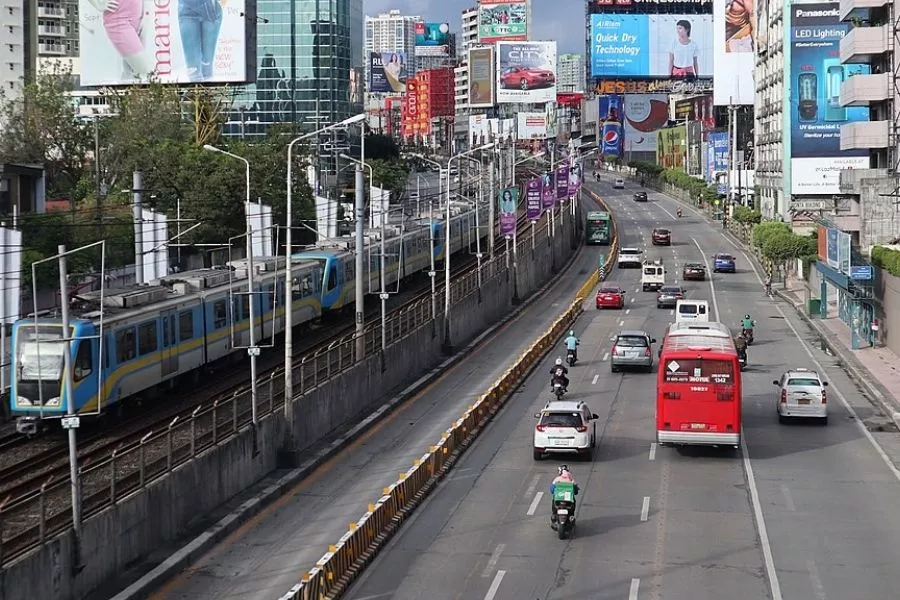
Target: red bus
<point>698,390</point>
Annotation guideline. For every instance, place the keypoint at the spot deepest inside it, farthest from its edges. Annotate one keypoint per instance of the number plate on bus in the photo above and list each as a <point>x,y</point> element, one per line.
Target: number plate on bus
<point>698,425</point>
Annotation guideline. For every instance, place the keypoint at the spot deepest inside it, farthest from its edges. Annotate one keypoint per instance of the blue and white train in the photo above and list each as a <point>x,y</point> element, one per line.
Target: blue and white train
<point>154,335</point>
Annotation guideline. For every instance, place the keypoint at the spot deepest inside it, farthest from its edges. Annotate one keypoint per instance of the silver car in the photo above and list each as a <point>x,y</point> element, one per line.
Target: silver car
<point>631,349</point>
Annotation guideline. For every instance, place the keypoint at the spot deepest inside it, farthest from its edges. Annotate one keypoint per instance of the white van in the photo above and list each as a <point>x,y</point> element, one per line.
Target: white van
<point>692,310</point>
<point>653,275</point>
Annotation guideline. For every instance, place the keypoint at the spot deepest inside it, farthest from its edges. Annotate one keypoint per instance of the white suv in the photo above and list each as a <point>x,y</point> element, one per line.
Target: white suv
<point>801,393</point>
<point>565,427</point>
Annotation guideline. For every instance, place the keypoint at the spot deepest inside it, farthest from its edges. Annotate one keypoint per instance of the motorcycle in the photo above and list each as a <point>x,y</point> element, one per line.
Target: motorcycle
<point>558,388</point>
<point>563,510</point>
<point>570,357</point>
<point>742,359</point>
<point>678,212</point>
<point>748,335</point>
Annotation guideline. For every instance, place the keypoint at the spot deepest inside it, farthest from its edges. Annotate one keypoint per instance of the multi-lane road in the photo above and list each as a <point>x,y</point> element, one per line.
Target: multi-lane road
<point>802,512</point>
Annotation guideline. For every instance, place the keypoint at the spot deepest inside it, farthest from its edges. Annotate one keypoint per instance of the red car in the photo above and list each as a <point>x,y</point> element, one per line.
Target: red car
<point>610,297</point>
<point>526,79</point>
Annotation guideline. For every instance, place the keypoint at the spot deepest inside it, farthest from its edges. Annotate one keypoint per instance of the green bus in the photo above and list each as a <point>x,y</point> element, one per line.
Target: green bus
<point>598,228</point>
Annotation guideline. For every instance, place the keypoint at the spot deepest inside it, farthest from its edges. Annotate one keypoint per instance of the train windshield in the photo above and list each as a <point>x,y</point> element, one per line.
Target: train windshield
<point>39,352</point>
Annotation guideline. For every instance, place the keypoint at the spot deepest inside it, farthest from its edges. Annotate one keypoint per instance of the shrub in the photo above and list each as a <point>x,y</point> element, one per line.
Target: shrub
<point>887,259</point>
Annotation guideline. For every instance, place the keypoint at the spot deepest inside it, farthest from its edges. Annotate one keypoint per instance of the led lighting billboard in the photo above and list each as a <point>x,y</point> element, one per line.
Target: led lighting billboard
<point>432,39</point>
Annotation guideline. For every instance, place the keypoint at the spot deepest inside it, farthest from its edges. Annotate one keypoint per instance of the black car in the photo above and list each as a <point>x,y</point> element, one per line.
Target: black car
<point>640,196</point>
<point>693,272</point>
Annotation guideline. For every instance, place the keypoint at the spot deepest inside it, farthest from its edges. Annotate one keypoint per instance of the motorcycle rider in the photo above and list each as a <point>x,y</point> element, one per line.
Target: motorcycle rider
<point>740,344</point>
<point>768,284</point>
<point>564,475</point>
<point>678,212</point>
<point>572,344</point>
<point>747,324</point>
<point>559,372</point>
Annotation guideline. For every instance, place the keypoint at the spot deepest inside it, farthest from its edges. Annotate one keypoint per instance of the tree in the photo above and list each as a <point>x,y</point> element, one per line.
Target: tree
<point>764,230</point>
<point>390,175</point>
<point>382,147</point>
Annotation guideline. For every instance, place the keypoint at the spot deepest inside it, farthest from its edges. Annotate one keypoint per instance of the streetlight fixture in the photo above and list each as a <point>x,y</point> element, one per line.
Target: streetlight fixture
<point>246,162</point>
<point>288,273</point>
<point>447,344</point>
<point>478,203</point>
<point>433,272</point>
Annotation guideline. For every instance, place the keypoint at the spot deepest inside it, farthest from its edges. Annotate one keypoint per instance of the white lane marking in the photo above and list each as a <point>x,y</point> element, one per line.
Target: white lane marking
<point>672,312</point>
<point>645,508</point>
<point>652,450</point>
<point>533,485</point>
<point>594,380</point>
<point>663,208</point>
<point>621,323</point>
<point>637,289</point>
<point>818,588</point>
<point>495,585</point>
<point>633,591</point>
<point>492,563</point>
<point>748,468</point>
<point>606,356</point>
<point>534,504</point>
<point>632,299</point>
<point>788,498</point>
<point>627,310</point>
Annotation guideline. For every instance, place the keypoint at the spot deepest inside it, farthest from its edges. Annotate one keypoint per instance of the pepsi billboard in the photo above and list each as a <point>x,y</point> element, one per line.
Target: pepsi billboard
<point>611,117</point>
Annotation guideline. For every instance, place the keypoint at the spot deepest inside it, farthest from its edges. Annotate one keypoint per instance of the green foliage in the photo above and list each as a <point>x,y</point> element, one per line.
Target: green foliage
<point>390,175</point>
<point>648,169</point>
<point>381,147</point>
<point>781,246</point>
<point>767,229</point>
<point>887,259</point>
<point>745,216</point>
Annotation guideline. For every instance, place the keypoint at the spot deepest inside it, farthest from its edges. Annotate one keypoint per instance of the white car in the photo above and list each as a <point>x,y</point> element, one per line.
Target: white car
<point>619,184</point>
<point>565,427</point>
<point>630,258</point>
<point>801,393</point>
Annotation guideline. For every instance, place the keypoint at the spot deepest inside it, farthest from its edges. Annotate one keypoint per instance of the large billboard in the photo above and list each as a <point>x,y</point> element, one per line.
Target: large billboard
<point>645,115</point>
<point>526,72</point>
<point>482,91</point>
<point>670,147</point>
<point>212,43</point>
<point>500,20</point>
<point>612,136</point>
<point>531,125</point>
<point>734,35</point>
<point>670,46</point>
<point>697,108</point>
<point>717,149</point>
<point>432,39</point>
<point>816,114</point>
<point>388,72</point>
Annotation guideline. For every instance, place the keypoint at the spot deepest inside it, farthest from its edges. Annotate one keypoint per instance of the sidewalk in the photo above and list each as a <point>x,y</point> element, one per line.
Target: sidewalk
<point>876,369</point>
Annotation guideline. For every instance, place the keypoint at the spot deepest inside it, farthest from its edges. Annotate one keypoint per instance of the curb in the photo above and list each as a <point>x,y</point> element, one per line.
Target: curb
<point>881,398</point>
<point>205,541</point>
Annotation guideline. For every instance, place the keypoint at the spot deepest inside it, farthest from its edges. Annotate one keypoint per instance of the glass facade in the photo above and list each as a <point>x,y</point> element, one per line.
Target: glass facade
<point>310,77</point>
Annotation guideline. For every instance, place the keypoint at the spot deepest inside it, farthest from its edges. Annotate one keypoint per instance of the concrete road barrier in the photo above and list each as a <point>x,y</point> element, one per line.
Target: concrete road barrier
<point>338,567</point>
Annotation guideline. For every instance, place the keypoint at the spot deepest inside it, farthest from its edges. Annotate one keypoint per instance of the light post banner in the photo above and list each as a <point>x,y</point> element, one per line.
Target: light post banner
<point>508,200</point>
<point>533,201</point>
<point>548,190</point>
<point>574,179</point>
<point>562,182</point>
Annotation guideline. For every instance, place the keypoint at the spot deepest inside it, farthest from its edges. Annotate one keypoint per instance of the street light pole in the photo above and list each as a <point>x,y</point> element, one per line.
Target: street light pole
<point>478,204</point>
<point>433,272</point>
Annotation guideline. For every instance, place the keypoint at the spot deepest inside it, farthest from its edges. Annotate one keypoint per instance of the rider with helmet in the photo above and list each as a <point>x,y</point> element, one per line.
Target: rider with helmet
<point>559,372</point>
<point>572,343</point>
<point>740,345</point>
<point>747,325</point>
<point>564,475</point>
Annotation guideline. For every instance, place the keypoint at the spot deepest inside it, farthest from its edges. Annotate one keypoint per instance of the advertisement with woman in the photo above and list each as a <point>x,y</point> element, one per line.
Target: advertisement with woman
<point>124,42</point>
<point>387,72</point>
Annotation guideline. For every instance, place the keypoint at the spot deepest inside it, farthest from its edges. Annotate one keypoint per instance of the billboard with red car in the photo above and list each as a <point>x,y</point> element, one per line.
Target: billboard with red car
<point>526,72</point>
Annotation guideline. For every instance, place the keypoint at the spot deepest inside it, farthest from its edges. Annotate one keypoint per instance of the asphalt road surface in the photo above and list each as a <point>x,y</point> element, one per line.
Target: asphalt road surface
<point>801,512</point>
<point>268,555</point>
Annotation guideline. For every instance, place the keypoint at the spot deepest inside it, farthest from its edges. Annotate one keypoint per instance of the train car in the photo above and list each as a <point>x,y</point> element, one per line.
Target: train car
<point>151,336</point>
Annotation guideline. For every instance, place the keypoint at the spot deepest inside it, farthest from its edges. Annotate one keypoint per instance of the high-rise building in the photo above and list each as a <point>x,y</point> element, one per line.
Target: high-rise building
<point>469,35</point>
<point>468,39</point>
<point>391,32</point>
<point>570,73</point>
<point>13,54</point>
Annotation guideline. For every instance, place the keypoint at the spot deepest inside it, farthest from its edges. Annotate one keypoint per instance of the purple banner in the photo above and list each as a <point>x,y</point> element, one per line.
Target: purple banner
<point>533,206</point>
<point>562,182</point>
<point>547,190</point>
<point>507,223</point>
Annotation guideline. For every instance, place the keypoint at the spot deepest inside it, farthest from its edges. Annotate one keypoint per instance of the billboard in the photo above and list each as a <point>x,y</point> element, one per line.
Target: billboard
<point>531,125</point>
<point>432,39</point>
<point>612,135</point>
<point>761,29</point>
<point>670,147</point>
<point>526,72</point>
<point>645,115</point>
<point>816,114</point>
<point>500,20</point>
<point>481,78</point>
<point>388,72</point>
<point>671,46</point>
<point>698,108</point>
<point>734,31</point>
<point>214,44</point>
<point>508,203</point>
<point>717,149</point>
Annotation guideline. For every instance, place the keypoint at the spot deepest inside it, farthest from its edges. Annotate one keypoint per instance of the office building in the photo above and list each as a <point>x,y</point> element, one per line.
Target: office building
<point>469,34</point>
<point>391,32</point>
<point>468,39</point>
<point>571,73</point>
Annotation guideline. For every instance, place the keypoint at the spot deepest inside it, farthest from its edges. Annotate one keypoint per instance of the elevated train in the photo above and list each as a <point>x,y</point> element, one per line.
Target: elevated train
<point>153,336</point>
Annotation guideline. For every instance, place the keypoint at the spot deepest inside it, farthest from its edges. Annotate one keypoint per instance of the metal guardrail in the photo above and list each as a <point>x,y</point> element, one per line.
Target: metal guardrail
<point>32,520</point>
<point>344,560</point>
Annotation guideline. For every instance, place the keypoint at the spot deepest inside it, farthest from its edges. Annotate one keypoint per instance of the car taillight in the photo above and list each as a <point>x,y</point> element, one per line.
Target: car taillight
<point>615,349</point>
<point>540,428</point>
<point>581,428</point>
<point>647,352</point>
<point>784,396</point>
<point>824,397</point>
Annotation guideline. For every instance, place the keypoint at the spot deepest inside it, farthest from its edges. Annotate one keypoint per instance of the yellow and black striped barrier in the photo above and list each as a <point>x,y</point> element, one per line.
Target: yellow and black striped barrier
<point>344,560</point>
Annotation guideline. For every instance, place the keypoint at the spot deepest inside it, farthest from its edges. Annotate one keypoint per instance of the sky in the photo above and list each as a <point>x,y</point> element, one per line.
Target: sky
<point>560,20</point>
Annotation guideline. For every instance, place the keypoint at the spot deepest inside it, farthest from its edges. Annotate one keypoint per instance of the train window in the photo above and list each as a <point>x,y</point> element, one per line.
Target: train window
<point>350,269</point>
<point>270,297</point>
<point>147,339</point>
<point>220,314</point>
<point>83,363</point>
<point>125,346</point>
<point>332,278</point>
<point>185,326</point>
<point>244,307</point>
<point>297,288</point>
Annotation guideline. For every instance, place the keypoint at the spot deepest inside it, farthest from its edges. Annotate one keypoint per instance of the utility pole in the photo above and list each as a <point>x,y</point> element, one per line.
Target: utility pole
<point>138,216</point>
<point>361,277</point>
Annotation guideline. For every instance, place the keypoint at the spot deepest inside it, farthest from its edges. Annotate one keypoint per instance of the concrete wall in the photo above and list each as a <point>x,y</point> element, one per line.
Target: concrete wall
<point>887,291</point>
<point>121,535</point>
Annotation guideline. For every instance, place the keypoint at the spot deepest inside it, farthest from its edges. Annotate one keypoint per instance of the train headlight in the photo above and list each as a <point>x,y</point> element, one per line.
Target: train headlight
<point>53,401</point>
